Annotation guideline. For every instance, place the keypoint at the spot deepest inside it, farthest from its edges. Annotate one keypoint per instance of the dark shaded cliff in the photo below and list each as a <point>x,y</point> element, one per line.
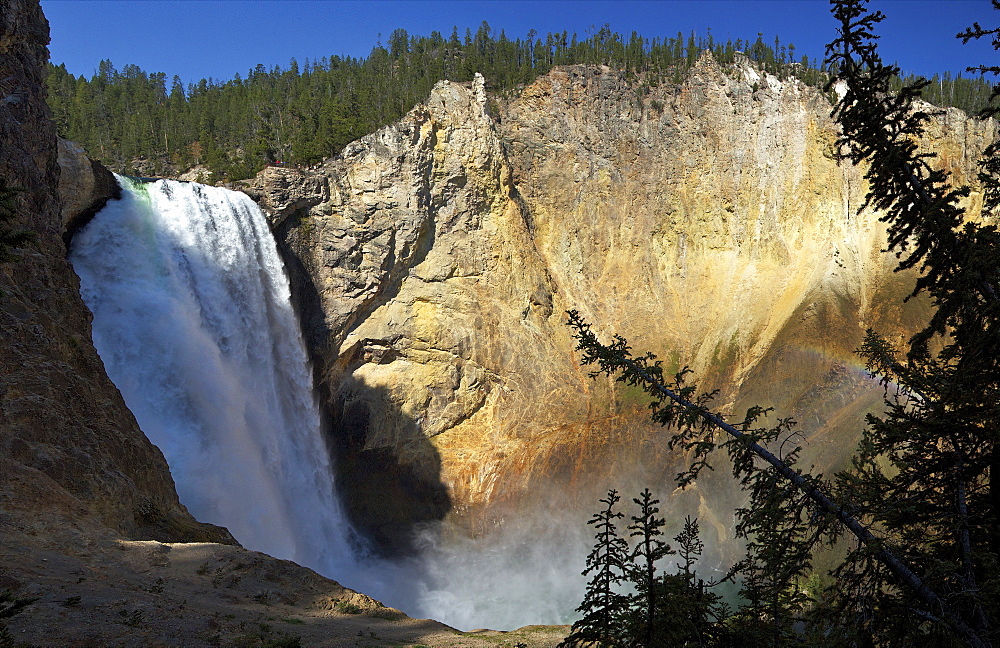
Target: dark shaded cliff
<point>68,446</point>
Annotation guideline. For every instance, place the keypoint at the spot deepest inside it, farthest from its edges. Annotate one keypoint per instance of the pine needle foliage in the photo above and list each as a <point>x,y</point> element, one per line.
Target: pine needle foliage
<point>302,113</point>
<point>604,606</point>
<point>642,604</point>
<point>787,514</point>
<point>989,166</point>
<point>646,530</point>
<point>923,470</point>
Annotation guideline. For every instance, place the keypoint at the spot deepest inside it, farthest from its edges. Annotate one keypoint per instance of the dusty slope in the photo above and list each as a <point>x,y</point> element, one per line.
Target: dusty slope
<point>94,588</point>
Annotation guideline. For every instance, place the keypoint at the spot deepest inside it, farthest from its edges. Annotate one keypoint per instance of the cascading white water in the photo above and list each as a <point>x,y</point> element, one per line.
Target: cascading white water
<point>193,321</point>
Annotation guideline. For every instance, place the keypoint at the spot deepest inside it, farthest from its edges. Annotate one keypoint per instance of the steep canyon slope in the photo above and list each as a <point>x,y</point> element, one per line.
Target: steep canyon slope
<point>708,222</point>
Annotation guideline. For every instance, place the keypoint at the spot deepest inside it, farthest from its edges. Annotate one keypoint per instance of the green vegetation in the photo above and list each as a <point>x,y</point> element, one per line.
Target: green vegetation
<point>917,513</point>
<point>346,607</point>
<point>303,113</point>
<point>629,602</point>
<point>144,123</point>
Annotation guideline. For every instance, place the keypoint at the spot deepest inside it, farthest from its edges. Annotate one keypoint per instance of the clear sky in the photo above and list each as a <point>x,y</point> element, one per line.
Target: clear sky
<point>219,38</point>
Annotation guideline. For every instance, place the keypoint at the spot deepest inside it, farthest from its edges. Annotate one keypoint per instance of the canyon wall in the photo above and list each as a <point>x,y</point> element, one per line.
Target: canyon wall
<point>708,222</point>
<point>69,448</point>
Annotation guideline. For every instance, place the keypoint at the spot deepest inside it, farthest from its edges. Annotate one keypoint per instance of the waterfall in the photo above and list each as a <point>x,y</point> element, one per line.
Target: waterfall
<point>193,321</point>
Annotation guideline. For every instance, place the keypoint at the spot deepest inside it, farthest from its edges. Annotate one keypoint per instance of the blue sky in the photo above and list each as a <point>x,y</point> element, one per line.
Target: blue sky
<point>219,38</point>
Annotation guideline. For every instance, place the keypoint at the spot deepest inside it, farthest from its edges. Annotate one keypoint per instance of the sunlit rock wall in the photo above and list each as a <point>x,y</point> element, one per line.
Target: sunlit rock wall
<point>708,222</point>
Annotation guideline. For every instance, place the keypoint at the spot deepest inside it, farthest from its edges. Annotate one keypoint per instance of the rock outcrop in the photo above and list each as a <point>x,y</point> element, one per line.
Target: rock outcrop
<point>68,442</point>
<point>85,187</point>
<point>708,222</point>
<point>415,259</point>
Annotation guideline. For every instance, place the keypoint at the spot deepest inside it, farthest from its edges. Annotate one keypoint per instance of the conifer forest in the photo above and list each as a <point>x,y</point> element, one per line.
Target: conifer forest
<point>144,123</point>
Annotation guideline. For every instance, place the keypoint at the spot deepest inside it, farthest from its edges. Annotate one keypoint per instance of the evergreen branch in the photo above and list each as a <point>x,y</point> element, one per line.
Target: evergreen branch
<point>925,221</point>
<point>616,359</point>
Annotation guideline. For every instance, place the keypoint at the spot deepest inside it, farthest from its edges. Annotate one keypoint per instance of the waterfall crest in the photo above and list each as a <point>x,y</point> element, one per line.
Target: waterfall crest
<point>193,321</point>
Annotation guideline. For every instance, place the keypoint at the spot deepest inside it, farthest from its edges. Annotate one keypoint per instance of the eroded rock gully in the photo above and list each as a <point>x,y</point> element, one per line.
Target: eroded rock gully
<point>707,222</point>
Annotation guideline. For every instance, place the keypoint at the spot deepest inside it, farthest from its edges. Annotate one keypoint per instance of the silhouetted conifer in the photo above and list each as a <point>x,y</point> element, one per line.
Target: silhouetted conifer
<point>646,529</point>
<point>631,601</point>
<point>604,608</point>
<point>924,467</point>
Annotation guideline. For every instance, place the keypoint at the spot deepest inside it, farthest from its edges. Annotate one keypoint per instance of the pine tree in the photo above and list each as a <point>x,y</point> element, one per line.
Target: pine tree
<point>604,608</point>
<point>689,545</point>
<point>646,528</point>
<point>924,470</point>
<point>631,601</point>
<point>786,504</point>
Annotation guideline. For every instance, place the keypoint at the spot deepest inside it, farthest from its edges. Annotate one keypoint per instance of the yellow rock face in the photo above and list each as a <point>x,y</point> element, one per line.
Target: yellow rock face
<point>707,222</point>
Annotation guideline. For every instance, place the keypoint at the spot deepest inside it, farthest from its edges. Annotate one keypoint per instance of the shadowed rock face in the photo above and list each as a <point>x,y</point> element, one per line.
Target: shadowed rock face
<point>707,222</point>
<point>85,187</point>
<point>67,441</point>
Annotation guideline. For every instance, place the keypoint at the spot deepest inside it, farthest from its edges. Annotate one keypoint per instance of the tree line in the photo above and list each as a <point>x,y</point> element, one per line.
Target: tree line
<point>142,123</point>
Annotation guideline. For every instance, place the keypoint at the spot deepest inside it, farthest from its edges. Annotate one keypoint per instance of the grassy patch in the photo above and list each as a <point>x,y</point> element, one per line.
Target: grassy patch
<point>346,607</point>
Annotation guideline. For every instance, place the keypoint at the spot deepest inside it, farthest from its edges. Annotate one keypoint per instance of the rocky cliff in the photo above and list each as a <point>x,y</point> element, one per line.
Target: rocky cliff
<point>69,445</point>
<point>708,222</point>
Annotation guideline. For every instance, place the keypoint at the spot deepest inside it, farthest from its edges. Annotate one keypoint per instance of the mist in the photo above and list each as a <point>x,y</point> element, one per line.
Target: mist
<point>193,321</point>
